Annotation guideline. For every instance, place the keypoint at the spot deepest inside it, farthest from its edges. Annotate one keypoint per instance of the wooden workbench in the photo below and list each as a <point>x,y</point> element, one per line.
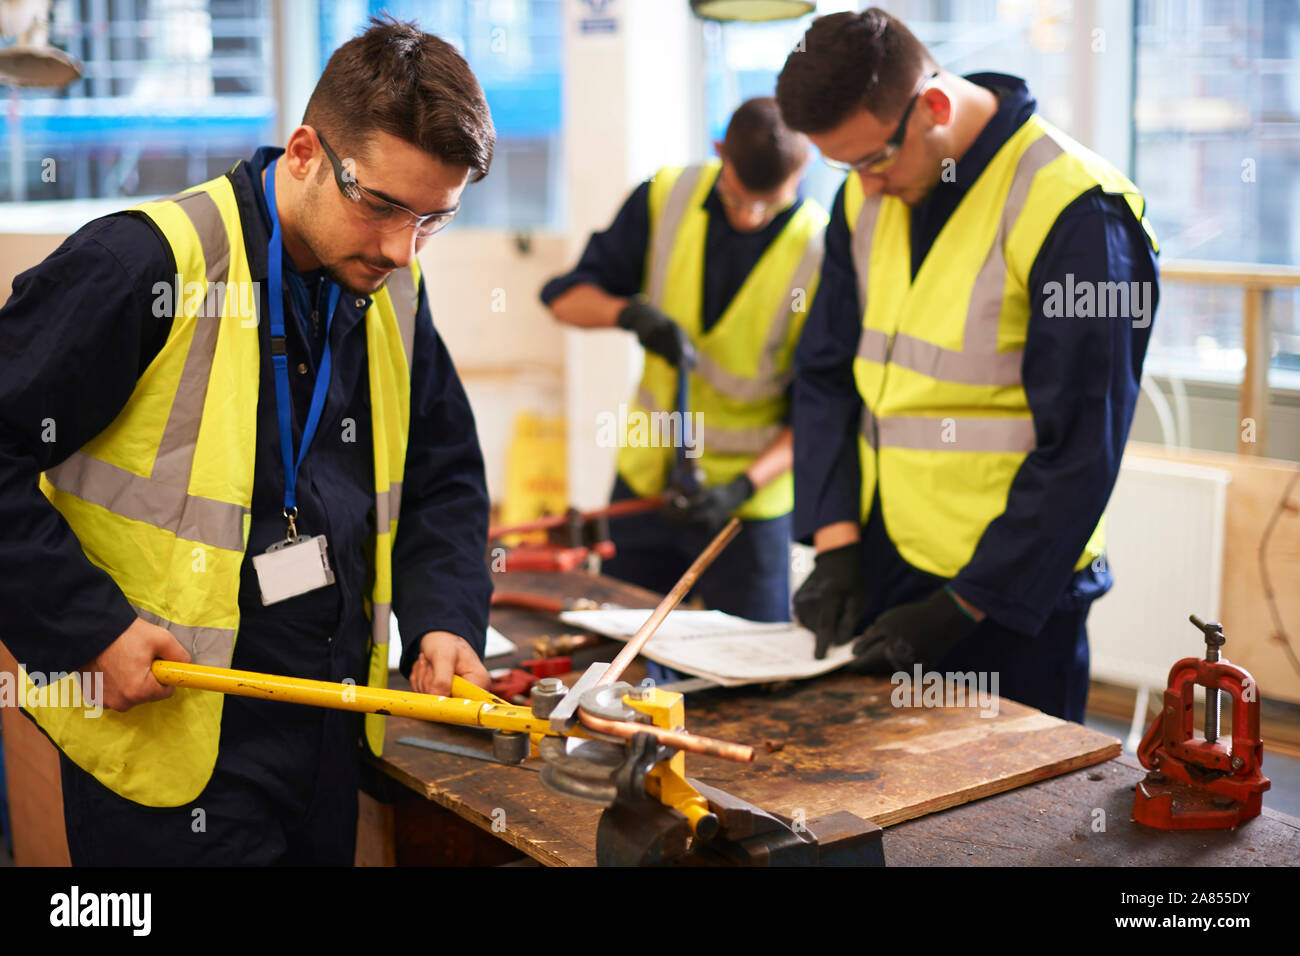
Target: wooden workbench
<point>819,756</point>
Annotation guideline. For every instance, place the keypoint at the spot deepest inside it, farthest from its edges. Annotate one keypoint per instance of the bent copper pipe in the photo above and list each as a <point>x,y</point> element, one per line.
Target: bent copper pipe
<point>691,743</point>
<point>670,601</point>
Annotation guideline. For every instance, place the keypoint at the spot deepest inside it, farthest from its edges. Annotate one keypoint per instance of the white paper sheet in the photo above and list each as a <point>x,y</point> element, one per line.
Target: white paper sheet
<point>723,648</point>
<point>497,643</point>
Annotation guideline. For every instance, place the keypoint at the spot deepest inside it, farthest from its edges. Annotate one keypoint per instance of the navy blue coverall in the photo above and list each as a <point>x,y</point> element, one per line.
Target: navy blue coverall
<point>751,578</point>
<point>74,337</point>
<point>1081,377</point>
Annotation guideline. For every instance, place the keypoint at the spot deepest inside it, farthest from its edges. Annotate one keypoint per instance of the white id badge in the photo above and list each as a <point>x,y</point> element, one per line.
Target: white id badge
<point>290,568</point>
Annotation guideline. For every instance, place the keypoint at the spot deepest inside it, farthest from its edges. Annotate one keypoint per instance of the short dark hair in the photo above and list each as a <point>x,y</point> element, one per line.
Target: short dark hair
<point>763,151</point>
<point>398,80</point>
<point>847,61</point>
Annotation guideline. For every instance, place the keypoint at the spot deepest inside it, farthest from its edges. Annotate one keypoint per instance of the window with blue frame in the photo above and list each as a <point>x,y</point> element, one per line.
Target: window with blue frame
<point>173,93</point>
<point>515,49</point>
<point>176,91</point>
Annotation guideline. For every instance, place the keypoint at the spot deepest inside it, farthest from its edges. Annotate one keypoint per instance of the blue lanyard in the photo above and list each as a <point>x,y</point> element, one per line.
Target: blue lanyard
<point>280,362</point>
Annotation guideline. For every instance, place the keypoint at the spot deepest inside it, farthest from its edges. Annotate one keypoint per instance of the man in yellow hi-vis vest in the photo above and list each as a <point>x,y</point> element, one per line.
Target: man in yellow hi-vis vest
<point>251,447</point>
<point>968,376</point>
<point>713,267</point>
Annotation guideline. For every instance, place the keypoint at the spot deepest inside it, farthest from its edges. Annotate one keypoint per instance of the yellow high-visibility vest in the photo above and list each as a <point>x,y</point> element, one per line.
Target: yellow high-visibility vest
<point>945,421</point>
<point>745,361</point>
<point>161,498</point>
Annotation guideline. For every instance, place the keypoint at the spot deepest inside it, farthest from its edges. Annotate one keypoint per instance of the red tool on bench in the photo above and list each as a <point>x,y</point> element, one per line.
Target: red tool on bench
<point>1194,783</point>
<point>516,683</point>
<point>572,539</point>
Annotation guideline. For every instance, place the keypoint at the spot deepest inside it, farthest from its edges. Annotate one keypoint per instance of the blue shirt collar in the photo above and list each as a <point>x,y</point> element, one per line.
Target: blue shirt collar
<point>260,161</point>
<point>1015,105</point>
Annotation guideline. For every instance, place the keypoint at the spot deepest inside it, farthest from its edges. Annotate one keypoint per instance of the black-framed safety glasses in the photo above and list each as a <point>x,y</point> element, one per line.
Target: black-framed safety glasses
<point>887,155</point>
<point>381,214</point>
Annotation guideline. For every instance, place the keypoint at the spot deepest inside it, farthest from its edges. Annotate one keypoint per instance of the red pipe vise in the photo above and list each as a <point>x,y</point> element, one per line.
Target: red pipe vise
<point>1200,783</point>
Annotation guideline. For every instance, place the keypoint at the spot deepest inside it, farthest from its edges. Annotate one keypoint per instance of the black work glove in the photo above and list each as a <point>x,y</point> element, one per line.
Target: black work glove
<point>710,508</point>
<point>830,601</point>
<point>657,333</point>
<point>919,633</point>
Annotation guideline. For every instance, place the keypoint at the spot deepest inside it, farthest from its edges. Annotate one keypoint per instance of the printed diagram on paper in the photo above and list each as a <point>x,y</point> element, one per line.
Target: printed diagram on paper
<point>720,647</point>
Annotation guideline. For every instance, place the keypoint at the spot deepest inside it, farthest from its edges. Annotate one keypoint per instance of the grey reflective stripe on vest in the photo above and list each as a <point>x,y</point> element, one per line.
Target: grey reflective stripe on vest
<point>379,622</point>
<point>404,295</point>
<point>160,499</point>
<point>863,232</point>
<point>978,362</point>
<point>646,400</point>
<point>388,505</point>
<point>738,441</point>
<point>665,231</point>
<point>211,646</point>
<point>737,386</point>
<point>768,380</point>
<point>402,291</point>
<point>951,433</point>
<point>868,426</point>
<point>719,441</point>
<point>217,524</point>
<point>873,345</point>
<point>175,458</point>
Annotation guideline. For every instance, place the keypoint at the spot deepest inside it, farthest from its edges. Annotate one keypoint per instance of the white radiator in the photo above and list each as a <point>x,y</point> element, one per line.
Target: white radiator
<point>1164,542</point>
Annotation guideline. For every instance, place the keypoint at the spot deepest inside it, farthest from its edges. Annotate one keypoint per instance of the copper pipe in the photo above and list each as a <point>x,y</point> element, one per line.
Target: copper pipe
<point>629,506</point>
<point>691,743</point>
<point>618,509</point>
<point>670,601</point>
<point>531,602</point>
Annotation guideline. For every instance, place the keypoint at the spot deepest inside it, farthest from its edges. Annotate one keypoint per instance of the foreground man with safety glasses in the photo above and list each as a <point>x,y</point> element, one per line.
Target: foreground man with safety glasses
<point>262,447</point>
<point>957,434</point>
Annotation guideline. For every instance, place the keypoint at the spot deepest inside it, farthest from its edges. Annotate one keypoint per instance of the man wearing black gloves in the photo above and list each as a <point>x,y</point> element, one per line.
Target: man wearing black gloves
<point>656,332</point>
<point>222,393</point>
<point>713,268</point>
<point>956,437</point>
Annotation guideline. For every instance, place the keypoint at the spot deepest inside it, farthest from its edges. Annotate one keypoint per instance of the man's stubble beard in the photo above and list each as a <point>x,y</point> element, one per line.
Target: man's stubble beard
<point>311,230</point>
<point>920,193</point>
<point>351,290</point>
